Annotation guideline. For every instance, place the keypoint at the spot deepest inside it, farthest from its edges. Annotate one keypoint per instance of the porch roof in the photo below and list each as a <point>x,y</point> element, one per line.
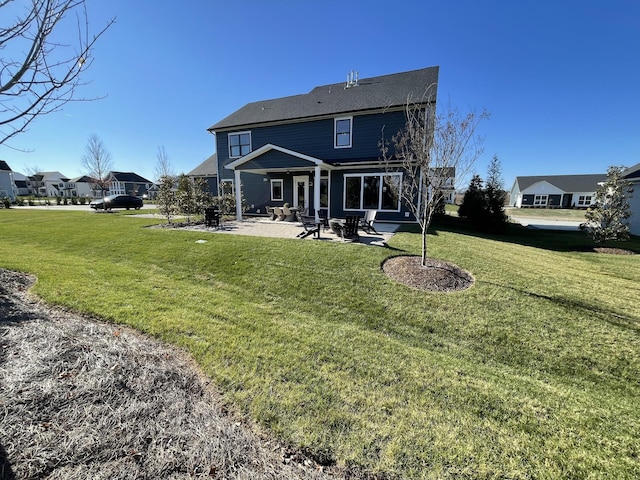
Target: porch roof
<point>270,158</point>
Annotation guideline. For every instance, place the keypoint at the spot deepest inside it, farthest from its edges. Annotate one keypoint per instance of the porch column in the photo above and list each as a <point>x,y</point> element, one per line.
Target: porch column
<point>238,187</point>
<point>316,192</point>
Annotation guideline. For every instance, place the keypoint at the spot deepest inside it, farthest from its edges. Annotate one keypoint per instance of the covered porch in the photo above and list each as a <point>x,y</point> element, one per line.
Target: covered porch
<point>283,175</point>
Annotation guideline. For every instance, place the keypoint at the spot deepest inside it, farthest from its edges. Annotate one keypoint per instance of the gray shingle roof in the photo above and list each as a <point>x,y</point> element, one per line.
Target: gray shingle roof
<point>4,166</point>
<point>370,94</point>
<point>208,168</point>
<point>632,172</point>
<point>129,177</point>
<point>566,183</point>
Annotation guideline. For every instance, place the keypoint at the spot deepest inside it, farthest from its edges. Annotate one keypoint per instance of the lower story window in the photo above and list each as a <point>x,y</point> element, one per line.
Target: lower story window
<point>584,200</point>
<point>540,200</point>
<point>226,187</point>
<point>372,191</point>
<point>276,190</point>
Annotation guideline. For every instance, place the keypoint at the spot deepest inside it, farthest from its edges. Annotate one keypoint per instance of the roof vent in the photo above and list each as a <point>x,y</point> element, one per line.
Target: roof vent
<point>352,79</point>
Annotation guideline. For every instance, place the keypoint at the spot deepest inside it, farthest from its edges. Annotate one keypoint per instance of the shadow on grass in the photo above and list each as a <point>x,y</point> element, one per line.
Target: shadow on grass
<point>555,240</point>
<point>608,315</point>
<point>6,473</point>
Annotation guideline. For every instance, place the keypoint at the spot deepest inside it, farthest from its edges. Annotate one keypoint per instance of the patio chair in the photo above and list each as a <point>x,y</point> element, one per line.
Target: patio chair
<point>278,214</point>
<point>289,215</point>
<point>367,221</point>
<point>323,215</point>
<point>310,226</point>
<point>350,228</point>
<point>270,213</point>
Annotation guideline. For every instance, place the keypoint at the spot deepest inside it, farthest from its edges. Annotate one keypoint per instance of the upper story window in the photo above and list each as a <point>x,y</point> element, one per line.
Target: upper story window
<point>342,132</point>
<point>239,144</point>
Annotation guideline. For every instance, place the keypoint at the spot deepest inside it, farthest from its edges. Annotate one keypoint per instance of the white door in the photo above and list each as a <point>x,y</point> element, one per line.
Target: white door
<point>301,192</point>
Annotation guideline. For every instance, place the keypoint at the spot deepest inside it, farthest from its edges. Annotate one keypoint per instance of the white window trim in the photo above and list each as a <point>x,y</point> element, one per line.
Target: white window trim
<point>539,199</point>
<point>335,133</point>
<point>227,180</point>
<point>229,135</point>
<point>281,182</point>
<point>371,174</point>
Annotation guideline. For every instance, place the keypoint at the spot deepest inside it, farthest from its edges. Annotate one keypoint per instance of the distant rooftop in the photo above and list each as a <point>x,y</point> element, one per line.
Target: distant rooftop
<point>566,183</point>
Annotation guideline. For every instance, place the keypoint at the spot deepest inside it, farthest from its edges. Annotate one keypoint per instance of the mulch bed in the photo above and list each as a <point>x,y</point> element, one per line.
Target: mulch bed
<point>80,398</point>
<point>436,276</point>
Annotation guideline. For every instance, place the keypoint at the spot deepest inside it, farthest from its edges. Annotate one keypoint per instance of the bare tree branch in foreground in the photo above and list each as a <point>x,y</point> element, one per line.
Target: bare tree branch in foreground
<point>39,69</point>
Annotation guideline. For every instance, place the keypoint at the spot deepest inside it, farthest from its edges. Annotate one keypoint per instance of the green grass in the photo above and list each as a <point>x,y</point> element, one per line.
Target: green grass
<point>532,373</point>
<point>576,215</point>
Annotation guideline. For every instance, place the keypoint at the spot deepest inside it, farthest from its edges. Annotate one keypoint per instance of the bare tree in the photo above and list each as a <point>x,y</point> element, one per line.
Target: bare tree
<point>163,166</point>
<point>97,162</point>
<point>40,69</point>
<point>431,151</point>
<point>32,172</point>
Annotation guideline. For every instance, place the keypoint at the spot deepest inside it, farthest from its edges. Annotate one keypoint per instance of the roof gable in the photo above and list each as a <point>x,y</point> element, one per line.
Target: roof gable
<point>267,149</point>
<point>381,92</point>
<point>4,166</point>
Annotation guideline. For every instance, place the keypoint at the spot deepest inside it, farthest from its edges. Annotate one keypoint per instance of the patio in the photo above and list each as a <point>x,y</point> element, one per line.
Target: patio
<point>262,227</point>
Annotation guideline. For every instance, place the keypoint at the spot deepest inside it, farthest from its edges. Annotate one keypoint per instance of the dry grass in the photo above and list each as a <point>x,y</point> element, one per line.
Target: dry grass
<point>82,399</point>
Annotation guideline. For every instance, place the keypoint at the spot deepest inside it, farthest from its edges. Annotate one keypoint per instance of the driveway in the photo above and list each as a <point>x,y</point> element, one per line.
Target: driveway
<point>547,224</point>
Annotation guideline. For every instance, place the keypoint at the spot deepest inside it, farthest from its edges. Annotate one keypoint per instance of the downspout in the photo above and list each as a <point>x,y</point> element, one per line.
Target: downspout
<point>238,190</point>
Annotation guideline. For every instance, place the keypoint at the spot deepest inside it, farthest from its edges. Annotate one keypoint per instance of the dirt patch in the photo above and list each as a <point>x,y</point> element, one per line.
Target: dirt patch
<point>86,399</point>
<point>436,276</point>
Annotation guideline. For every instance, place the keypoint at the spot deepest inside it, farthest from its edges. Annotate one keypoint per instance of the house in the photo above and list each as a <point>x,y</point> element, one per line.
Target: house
<point>320,150</point>
<point>555,191</point>
<point>128,183</point>
<point>6,181</point>
<point>52,184</point>
<point>633,175</point>
<point>21,186</point>
<point>86,187</point>
<point>208,171</point>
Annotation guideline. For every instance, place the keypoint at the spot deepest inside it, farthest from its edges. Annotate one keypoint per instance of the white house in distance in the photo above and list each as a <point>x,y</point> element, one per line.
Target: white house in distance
<point>555,191</point>
<point>633,175</point>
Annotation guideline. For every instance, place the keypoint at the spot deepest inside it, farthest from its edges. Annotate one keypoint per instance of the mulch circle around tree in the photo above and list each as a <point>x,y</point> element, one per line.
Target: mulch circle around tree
<point>436,276</point>
<point>606,250</point>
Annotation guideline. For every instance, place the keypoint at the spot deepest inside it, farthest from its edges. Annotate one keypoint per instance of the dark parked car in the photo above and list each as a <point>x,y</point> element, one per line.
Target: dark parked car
<point>117,201</point>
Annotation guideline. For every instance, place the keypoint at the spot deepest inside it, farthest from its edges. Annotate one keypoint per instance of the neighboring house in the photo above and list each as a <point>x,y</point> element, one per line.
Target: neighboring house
<point>128,183</point>
<point>21,186</point>
<point>633,175</point>
<point>555,191</point>
<point>6,181</point>
<point>207,170</point>
<point>321,150</point>
<point>52,184</point>
<point>86,187</point>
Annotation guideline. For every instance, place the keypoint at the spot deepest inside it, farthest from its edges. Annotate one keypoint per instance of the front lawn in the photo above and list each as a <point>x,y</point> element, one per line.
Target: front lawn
<point>531,373</point>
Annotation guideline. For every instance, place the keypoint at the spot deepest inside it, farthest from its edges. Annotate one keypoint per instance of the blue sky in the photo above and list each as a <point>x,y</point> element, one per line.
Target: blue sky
<point>561,78</point>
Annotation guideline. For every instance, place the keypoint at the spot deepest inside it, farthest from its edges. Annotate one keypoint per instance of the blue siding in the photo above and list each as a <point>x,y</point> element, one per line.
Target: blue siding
<point>315,138</point>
